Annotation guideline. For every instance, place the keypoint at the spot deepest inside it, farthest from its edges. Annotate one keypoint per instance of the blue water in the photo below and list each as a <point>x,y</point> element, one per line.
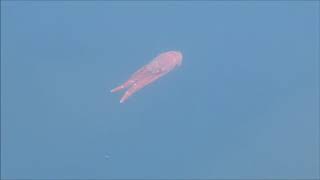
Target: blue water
<point>244,103</point>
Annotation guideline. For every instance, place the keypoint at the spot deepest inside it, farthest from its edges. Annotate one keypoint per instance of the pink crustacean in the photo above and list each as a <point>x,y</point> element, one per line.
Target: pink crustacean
<point>159,66</point>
